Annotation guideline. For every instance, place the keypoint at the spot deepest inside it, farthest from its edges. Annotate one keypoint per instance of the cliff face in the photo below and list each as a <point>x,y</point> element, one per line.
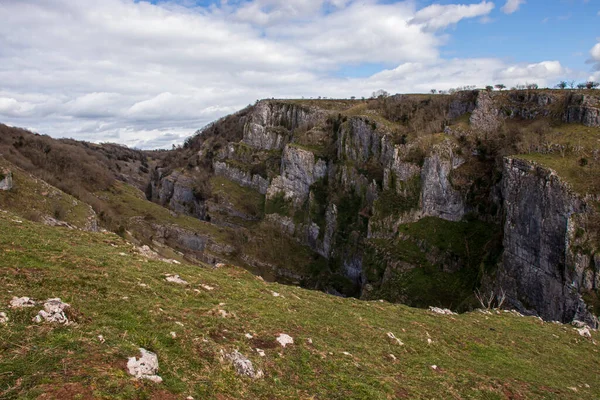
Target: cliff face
<point>387,199</point>
<point>583,109</point>
<point>299,170</point>
<point>176,191</point>
<point>439,198</point>
<point>270,123</point>
<point>541,273</point>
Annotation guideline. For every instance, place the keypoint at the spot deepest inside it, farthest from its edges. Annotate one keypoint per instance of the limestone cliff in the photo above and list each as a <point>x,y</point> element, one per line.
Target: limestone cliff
<point>409,196</point>
<point>540,273</point>
<point>176,191</point>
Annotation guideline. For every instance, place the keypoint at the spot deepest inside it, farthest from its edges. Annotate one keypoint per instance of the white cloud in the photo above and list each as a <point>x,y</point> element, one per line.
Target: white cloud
<point>595,52</point>
<point>542,70</point>
<point>512,6</point>
<point>437,16</point>
<point>454,73</point>
<point>147,75</point>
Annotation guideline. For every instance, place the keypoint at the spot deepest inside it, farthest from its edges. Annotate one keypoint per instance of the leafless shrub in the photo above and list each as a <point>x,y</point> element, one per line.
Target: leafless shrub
<point>490,300</point>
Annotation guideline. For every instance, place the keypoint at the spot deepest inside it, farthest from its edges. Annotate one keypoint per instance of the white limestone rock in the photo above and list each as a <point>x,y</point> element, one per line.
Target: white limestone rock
<point>144,367</point>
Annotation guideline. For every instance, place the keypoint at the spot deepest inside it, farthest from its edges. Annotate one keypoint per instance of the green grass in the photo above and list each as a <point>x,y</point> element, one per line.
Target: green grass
<point>244,199</point>
<point>398,201</point>
<point>478,356</point>
<point>583,179</point>
<point>318,151</point>
<point>468,240</point>
<point>575,163</point>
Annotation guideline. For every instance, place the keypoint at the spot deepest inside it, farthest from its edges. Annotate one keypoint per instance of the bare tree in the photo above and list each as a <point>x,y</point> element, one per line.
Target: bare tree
<point>532,86</point>
<point>491,300</point>
<point>572,84</point>
<point>562,84</point>
<point>380,94</point>
<point>433,91</point>
<point>591,85</point>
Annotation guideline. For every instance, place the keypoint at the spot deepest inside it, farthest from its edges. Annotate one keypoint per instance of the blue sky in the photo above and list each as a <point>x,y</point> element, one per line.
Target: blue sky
<point>565,30</point>
<point>148,74</point>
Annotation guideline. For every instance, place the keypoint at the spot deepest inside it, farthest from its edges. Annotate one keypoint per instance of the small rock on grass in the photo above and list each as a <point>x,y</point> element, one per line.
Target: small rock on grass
<point>54,312</point>
<point>394,338</point>
<point>585,332</point>
<point>243,366</point>
<point>21,302</point>
<point>176,279</point>
<point>144,367</point>
<point>284,339</point>
<point>443,311</point>
<point>3,318</point>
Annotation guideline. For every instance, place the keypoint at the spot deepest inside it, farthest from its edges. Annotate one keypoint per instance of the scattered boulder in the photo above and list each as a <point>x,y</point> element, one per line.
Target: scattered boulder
<point>3,318</point>
<point>443,311</point>
<point>260,352</point>
<point>21,302</point>
<point>147,252</point>
<point>176,279</point>
<point>207,287</point>
<point>145,367</point>
<point>6,181</point>
<point>585,332</point>
<point>284,339</point>
<point>243,366</point>
<point>54,312</point>
<point>394,338</point>
<point>578,324</point>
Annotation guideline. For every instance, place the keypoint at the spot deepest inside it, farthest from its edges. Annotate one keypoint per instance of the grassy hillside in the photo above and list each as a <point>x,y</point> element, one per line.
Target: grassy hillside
<point>476,355</point>
<point>34,199</point>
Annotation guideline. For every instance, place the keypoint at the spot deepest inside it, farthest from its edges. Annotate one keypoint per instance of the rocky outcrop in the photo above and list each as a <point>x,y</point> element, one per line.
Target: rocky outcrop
<point>241,177</point>
<point>299,170</point>
<point>6,181</point>
<point>537,274</point>
<point>358,141</point>
<point>271,123</point>
<point>583,109</point>
<point>486,116</point>
<point>177,192</point>
<point>439,198</point>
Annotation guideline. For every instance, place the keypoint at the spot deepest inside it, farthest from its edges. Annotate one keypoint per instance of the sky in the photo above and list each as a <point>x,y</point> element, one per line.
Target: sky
<point>148,74</point>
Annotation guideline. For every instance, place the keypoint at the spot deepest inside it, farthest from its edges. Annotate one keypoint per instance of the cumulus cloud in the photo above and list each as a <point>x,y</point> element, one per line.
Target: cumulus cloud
<point>454,73</point>
<point>512,6</point>
<point>595,53</point>
<point>147,75</point>
<point>438,16</point>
